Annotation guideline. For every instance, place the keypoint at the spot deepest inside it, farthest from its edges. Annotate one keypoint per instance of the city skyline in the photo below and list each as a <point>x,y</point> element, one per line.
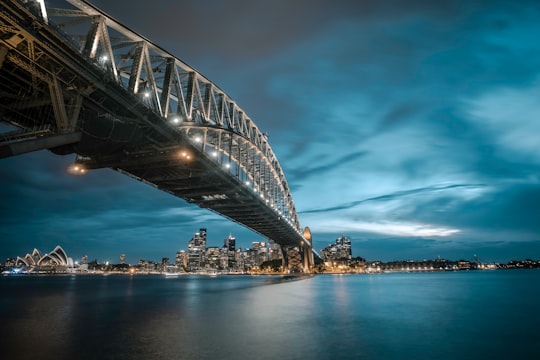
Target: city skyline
<point>412,130</point>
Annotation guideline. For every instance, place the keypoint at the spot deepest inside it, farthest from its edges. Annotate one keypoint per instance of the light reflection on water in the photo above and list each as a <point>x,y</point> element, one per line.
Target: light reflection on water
<point>388,316</point>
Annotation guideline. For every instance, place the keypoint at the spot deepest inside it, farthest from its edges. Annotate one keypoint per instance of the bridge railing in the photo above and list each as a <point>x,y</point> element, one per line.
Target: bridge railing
<point>184,98</point>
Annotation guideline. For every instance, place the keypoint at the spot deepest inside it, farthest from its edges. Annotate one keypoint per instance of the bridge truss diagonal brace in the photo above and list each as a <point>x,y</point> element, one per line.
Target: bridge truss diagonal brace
<point>142,62</point>
<point>64,122</point>
<point>3,52</point>
<point>97,34</point>
<point>57,99</point>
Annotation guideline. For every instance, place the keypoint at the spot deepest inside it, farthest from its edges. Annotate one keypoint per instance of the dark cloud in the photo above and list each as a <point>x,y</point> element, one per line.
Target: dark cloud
<point>514,207</point>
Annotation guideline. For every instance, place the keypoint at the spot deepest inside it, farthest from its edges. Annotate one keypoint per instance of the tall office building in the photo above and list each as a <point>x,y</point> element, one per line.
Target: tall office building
<point>230,242</point>
<point>197,250</point>
<point>274,252</point>
<point>260,252</point>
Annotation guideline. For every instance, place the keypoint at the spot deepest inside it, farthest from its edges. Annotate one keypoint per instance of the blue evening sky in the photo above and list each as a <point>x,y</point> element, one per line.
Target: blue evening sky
<point>413,127</point>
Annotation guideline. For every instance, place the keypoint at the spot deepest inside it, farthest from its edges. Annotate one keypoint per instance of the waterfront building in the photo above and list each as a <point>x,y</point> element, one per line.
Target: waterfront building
<point>274,251</point>
<point>212,257</point>
<point>181,259</point>
<point>340,250</point>
<point>239,260</point>
<point>197,250</point>
<point>260,252</point>
<point>230,245</point>
<point>147,266</point>
<point>55,261</point>
<point>250,258</point>
<point>224,258</point>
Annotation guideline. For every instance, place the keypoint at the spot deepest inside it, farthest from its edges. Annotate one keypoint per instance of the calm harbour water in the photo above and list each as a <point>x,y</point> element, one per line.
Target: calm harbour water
<point>466,315</point>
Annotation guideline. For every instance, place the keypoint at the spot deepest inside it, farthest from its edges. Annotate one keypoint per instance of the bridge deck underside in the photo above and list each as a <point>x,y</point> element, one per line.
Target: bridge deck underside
<point>199,181</point>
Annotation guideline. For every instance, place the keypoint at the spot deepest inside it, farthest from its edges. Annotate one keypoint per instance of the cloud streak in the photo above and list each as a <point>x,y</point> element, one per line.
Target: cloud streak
<point>393,196</point>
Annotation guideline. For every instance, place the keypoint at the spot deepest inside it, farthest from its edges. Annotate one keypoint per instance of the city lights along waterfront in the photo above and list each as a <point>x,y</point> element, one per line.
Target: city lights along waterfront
<point>354,308</point>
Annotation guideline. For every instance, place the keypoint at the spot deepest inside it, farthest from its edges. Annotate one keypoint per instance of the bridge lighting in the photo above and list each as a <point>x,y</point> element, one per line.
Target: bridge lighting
<point>214,154</point>
<point>76,169</point>
<point>184,155</point>
<point>247,183</point>
<point>198,139</point>
<point>104,58</point>
<point>146,94</point>
<point>176,120</point>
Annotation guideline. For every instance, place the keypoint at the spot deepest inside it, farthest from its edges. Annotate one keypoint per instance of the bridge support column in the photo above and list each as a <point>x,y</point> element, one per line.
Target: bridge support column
<point>284,260</point>
<point>308,251</point>
<point>306,255</point>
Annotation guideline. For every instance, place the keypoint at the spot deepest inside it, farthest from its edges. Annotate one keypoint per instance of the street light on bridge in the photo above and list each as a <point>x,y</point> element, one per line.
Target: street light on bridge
<point>77,169</point>
<point>184,155</point>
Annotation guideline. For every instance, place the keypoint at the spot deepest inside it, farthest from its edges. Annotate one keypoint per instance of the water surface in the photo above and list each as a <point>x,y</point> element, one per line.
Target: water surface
<point>474,314</point>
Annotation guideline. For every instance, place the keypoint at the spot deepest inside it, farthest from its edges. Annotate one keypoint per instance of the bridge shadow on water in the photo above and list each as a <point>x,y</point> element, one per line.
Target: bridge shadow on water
<point>221,283</point>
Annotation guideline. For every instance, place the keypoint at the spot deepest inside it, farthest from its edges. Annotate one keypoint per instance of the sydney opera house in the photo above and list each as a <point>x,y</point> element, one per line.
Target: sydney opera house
<point>55,261</point>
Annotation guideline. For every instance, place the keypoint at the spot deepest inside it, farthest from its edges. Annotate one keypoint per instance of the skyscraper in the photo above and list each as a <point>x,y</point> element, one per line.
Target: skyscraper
<point>197,250</point>
<point>274,252</point>
<point>230,242</point>
<point>344,245</point>
<point>260,252</point>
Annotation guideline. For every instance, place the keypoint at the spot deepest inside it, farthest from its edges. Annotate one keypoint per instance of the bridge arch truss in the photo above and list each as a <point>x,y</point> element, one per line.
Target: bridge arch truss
<point>184,105</point>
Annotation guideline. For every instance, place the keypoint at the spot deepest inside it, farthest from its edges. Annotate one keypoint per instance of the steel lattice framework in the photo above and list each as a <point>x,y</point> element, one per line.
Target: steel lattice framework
<point>127,79</point>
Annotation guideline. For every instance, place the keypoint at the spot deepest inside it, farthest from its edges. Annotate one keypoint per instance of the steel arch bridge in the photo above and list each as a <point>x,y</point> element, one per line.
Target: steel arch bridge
<point>73,79</point>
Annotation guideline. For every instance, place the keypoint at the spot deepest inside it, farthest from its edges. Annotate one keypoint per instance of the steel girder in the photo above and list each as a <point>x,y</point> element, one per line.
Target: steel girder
<point>179,94</point>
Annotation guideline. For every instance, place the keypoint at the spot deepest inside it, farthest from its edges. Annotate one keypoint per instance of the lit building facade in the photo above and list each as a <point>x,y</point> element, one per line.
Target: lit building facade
<point>274,251</point>
<point>229,244</point>
<point>181,259</point>
<point>55,261</point>
<point>197,250</point>
<point>340,250</point>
